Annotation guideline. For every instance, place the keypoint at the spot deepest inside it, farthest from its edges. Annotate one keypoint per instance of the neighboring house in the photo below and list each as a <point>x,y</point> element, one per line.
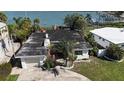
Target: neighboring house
<point>36,47</point>
<point>5,36</point>
<point>109,35</point>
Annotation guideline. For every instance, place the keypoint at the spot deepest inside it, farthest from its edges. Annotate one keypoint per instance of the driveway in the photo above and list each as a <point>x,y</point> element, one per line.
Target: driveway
<point>33,73</point>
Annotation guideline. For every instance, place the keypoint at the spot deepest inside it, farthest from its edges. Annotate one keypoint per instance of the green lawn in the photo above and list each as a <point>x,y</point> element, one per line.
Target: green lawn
<point>12,77</point>
<point>99,69</point>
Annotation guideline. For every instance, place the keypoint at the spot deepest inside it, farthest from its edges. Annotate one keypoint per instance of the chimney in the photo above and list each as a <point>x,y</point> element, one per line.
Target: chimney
<point>46,35</point>
<point>46,41</point>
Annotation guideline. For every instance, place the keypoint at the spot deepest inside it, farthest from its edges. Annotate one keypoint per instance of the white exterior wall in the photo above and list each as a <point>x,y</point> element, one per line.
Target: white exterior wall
<point>38,60</point>
<point>104,43</point>
<point>5,37</point>
<point>85,55</point>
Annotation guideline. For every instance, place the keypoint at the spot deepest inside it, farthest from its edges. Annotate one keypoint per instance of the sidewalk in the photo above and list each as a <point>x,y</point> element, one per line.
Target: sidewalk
<point>7,57</point>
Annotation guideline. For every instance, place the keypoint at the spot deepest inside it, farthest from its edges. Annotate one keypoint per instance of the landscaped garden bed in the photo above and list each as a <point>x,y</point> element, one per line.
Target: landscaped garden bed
<point>101,70</point>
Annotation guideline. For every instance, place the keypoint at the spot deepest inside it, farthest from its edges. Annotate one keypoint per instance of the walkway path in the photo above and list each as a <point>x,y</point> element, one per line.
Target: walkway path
<point>33,73</point>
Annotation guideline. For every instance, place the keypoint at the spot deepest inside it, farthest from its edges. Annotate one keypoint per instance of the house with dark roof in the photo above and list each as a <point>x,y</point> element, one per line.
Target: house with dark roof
<point>35,49</point>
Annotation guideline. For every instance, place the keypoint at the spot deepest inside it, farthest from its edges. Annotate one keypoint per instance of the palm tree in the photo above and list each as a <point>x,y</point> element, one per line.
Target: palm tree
<point>3,17</point>
<point>12,28</point>
<point>36,26</point>
<point>36,21</point>
<point>18,21</point>
<point>66,48</point>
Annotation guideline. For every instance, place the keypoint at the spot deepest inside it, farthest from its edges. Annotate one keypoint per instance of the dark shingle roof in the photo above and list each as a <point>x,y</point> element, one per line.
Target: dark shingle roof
<point>65,35</point>
<point>33,46</point>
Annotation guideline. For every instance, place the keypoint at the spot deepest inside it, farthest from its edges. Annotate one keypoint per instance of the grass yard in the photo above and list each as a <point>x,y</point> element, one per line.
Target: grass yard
<point>12,77</point>
<point>99,69</point>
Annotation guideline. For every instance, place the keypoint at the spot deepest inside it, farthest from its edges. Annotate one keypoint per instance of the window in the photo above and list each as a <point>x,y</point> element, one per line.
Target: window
<point>78,52</point>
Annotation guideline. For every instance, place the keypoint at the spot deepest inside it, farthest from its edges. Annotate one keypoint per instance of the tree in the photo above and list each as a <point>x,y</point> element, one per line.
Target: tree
<point>3,17</point>
<point>11,28</point>
<point>36,21</point>
<point>26,24</point>
<point>114,52</point>
<point>75,21</point>
<point>36,25</point>
<point>66,48</point>
<point>18,21</point>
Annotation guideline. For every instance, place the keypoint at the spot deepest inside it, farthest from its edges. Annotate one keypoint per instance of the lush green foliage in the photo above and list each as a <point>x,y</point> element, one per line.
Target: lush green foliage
<point>75,21</point>
<point>12,28</point>
<point>89,38</point>
<point>26,24</point>
<point>66,49</point>
<point>21,29</point>
<point>12,77</point>
<point>49,63</point>
<point>18,22</point>
<point>3,17</point>
<point>36,25</point>
<point>22,34</point>
<point>5,70</point>
<point>114,52</point>
<point>99,69</point>
<point>36,21</point>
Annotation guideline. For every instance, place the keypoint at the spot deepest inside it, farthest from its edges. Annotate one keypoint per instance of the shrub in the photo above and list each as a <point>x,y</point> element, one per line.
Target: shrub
<point>5,70</point>
<point>94,51</point>
<point>114,52</point>
<point>49,63</point>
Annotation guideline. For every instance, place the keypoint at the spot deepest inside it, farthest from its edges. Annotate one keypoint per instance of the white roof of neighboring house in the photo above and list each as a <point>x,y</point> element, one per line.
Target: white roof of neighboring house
<point>114,35</point>
<point>2,24</point>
